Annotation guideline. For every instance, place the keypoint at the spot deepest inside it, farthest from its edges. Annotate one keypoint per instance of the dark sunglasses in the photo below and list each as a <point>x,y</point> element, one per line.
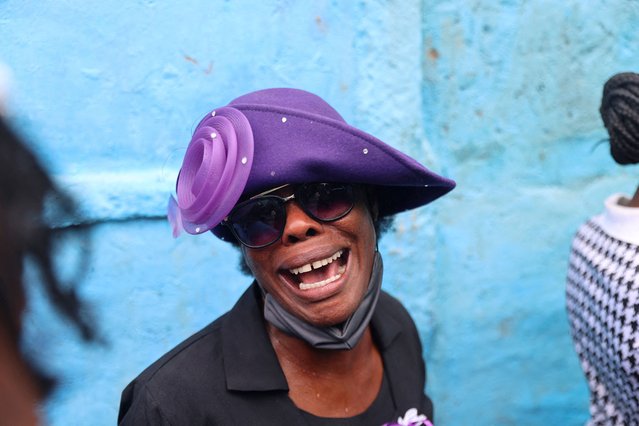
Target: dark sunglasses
<point>260,220</point>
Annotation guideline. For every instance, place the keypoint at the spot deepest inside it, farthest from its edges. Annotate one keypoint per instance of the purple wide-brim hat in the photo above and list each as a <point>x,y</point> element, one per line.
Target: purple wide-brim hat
<point>289,136</point>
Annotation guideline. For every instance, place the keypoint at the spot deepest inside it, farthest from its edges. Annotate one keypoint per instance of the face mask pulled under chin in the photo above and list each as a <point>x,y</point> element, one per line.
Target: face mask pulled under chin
<point>344,336</point>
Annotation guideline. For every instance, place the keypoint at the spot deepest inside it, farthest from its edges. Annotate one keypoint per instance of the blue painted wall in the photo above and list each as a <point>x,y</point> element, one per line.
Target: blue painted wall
<point>500,95</point>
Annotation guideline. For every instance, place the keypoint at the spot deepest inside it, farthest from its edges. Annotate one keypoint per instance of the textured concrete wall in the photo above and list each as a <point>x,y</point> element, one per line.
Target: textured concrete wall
<point>502,96</point>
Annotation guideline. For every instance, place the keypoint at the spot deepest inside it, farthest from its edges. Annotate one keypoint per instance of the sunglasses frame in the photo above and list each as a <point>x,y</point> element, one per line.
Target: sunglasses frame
<point>282,202</point>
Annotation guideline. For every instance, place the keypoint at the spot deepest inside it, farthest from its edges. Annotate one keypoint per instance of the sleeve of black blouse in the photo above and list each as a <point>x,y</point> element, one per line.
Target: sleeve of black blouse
<point>427,408</point>
<point>407,350</point>
<point>427,404</point>
<point>138,407</point>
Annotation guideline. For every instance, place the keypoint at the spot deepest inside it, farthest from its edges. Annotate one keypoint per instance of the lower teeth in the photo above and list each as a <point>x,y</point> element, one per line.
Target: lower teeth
<point>322,283</point>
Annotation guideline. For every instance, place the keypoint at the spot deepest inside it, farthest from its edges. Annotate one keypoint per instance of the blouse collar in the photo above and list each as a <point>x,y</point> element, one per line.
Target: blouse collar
<point>250,362</point>
<point>620,222</point>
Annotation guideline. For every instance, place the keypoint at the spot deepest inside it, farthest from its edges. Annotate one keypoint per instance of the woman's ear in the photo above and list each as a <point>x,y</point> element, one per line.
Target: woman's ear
<point>243,265</point>
<point>375,216</point>
<point>375,209</point>
<point>373,205</point>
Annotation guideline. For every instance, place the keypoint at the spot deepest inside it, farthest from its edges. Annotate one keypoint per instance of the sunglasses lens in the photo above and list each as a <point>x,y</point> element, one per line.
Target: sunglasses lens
<point>261,221</point>
<point>258,222</point>
<point>326,201</point>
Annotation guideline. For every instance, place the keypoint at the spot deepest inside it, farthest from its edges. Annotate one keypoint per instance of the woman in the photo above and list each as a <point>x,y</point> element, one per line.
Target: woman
<point>603,276</point>
<point>314,340</point>
<point>24,187</point>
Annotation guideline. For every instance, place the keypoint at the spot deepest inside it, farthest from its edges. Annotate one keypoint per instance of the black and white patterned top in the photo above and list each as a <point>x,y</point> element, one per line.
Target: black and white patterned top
<point>602,298</point>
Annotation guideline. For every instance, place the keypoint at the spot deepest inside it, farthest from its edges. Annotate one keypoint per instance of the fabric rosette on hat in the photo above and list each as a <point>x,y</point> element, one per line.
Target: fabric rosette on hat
<point>214,172</point>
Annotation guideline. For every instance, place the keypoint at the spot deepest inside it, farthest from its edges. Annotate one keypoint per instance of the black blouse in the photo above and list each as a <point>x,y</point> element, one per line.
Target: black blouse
<point>383,407</point>
<point>228,374</point>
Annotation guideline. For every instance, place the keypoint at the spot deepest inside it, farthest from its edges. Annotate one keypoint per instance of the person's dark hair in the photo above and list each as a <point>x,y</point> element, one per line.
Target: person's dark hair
<point>26,191</point>
<point>380,224</point>
<point>620,113</point>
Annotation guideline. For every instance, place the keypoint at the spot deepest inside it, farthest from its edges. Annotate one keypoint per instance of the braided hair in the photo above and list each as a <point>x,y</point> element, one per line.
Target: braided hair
<point>620,113</point>
<point>25,190</point>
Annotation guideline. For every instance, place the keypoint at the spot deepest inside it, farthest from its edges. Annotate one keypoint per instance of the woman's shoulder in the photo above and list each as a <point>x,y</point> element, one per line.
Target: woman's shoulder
<point>199,347</point>
<point>391,306</point>
<point>392,321</point>
<point>164,384</point>
<point>198,353</point>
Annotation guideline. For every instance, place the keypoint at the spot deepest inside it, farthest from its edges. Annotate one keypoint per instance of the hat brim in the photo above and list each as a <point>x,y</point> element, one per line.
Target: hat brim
<point>293,146</point>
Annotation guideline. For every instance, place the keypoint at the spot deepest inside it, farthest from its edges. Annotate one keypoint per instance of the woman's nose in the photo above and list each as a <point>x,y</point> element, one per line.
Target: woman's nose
<point>299,226</point>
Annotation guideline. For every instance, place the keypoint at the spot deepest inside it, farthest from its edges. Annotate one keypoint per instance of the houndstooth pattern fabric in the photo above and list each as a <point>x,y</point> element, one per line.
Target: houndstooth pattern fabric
<point>602,297</point>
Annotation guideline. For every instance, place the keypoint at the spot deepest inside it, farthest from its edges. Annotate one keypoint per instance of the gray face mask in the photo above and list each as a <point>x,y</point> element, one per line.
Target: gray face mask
<point>344,336</point>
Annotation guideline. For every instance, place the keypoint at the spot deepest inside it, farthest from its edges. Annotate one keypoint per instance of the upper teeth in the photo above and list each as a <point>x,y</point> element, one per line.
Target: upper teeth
<point>315,265</point>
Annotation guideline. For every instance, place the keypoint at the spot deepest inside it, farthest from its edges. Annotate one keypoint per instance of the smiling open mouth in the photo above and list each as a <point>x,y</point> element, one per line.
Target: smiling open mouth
<point>320,272</point>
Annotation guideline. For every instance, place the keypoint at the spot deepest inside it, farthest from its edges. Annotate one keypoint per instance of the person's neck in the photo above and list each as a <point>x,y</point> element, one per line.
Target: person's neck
<point>329,383</point>
<point>633,202</point>
<point>338,362</point>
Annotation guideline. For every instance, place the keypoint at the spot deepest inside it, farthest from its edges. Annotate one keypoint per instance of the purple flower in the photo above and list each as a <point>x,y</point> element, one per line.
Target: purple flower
<point>411,418</point>
<point>214,172</point>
